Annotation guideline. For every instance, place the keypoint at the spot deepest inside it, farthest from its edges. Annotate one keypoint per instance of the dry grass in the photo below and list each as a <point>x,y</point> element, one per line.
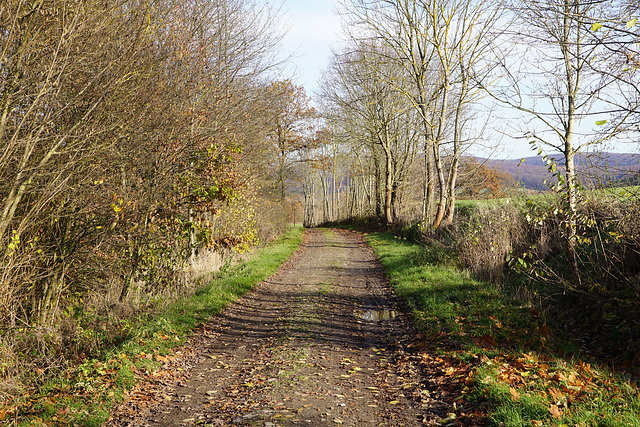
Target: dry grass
<point>487,237</point>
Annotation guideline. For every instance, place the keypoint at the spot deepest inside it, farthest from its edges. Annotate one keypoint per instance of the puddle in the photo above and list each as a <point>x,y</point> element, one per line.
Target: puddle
<point>375,315</point>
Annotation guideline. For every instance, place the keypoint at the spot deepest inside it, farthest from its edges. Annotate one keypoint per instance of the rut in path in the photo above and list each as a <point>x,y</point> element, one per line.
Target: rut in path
<point>315,344</point>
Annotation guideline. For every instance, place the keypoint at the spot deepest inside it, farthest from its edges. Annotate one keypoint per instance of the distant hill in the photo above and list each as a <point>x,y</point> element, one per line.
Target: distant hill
<point>595,170</point>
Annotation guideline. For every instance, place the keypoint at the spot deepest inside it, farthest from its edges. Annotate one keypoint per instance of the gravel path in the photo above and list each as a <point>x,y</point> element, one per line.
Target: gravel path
<point>321,342</point>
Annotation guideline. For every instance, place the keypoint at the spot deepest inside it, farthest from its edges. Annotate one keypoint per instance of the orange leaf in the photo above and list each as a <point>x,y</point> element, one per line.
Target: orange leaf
<point>545,330</point>
<point>555,394</point>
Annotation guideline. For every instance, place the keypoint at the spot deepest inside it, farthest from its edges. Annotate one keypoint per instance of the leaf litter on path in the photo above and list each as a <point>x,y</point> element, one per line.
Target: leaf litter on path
<point>295,352</point>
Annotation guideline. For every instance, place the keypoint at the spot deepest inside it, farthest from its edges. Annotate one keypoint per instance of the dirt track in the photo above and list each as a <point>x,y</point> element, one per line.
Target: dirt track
<point>312,345</point>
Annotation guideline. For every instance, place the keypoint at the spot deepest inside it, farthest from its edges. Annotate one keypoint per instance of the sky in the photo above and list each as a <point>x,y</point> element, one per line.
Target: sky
<point>314,28</point>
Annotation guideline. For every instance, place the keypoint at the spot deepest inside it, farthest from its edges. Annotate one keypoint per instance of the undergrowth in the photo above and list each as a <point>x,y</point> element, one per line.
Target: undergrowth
<point>84,394</point>
<point>511,367</point>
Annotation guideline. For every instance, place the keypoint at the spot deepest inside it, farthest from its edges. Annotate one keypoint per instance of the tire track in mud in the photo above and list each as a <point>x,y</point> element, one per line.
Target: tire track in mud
<point>301,349</point>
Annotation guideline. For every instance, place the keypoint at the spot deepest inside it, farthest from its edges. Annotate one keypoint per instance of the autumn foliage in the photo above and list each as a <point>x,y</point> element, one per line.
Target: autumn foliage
<point>133,136</point>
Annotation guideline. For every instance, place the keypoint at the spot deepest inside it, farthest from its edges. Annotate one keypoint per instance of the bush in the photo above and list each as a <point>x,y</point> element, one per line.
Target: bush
<point>487,235</point>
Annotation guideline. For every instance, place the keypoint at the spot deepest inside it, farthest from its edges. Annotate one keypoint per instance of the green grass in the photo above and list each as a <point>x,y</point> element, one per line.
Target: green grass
<point>547,198</point>
<point>620,193</point>
<point>84,395</point>
<point>508,358</point>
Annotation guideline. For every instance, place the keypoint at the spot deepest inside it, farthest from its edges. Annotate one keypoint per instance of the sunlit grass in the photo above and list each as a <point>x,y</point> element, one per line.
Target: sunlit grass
<point>514,365</point>
<point>85,395</point>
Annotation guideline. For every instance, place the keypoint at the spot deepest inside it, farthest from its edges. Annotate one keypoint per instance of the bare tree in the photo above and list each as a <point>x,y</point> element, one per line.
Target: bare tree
<point>438,46</point>
<point>359,89</point>
<point>556,81</point>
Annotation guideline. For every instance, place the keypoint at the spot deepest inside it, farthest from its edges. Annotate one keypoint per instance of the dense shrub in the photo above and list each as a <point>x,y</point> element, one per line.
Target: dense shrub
<point>485,236</point>
<point>521,246</point>
<point>528,236</point>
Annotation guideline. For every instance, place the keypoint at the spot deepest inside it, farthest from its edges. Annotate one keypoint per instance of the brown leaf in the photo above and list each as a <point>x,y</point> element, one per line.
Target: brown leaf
<point>514,394</point>
<point>489,341</point>
<point>555,412</point>
<point>450,371</point>
<point>496,321</point>
<point>545,330</point>
<point>161,358</point>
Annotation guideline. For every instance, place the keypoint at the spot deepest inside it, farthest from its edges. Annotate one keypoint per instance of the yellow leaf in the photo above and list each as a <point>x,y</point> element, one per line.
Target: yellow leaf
<point>394,402</point>
<point>596,26</point>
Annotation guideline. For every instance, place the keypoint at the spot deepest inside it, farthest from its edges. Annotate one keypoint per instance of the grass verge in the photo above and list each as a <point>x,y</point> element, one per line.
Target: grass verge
<point>85,395</point>
<point>501,362</point>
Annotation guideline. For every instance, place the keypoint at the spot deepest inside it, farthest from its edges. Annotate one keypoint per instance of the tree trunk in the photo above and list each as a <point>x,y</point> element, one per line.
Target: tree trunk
<point>388,177</point>
<point>442,182</point>
<point>573,83</point>
<point>429,185</point>
<point>457,138</point>
<point>377,178</point>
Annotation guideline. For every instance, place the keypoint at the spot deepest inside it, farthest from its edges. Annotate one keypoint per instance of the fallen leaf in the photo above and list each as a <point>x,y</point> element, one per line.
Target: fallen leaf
<point>556,394</point>
<point>555,412</point>
<point>495,319</point>
<point>514,394</point>
<point>486,341</point>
